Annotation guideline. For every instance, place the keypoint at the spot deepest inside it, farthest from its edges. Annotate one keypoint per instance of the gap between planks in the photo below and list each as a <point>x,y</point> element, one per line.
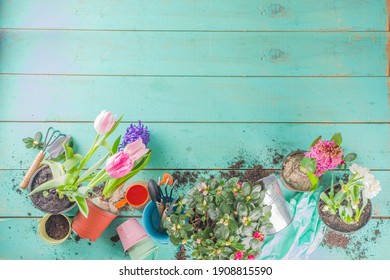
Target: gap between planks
<point>209,122</point>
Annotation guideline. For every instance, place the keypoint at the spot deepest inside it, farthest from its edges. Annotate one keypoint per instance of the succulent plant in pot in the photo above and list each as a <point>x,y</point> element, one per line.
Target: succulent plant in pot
<point>302,171</point>
<point>346,207</point>
<point>221,220</point>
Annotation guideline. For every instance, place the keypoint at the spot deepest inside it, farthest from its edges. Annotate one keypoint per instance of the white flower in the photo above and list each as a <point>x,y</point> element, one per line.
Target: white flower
<point>371,185</point>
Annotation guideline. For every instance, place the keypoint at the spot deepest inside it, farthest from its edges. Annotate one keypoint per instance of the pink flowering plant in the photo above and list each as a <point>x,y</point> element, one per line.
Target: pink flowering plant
<point>73,181</point>
<point>221,220</point>
<point>324,155</point>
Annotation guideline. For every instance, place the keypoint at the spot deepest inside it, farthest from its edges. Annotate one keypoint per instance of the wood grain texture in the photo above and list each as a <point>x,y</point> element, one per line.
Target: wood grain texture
<point>15,203</point>
<point>232,15</point>
<point>193,53</point>
<point>211,145</point>
<point>194,99</point>
<point>22,233</point>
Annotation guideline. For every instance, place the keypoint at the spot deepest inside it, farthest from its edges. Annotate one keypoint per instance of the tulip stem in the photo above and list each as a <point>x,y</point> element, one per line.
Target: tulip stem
<point>91,151</point>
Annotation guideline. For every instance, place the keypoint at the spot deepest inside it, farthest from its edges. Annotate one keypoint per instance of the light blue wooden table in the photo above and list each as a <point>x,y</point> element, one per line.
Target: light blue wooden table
<point>215,81</point>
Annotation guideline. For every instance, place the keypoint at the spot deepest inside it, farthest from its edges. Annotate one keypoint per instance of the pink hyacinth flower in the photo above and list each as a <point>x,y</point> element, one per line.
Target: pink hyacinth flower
<point>104,122</point>
<point>327,154</point>
<point>136,149</point>
<point>238,255</point>
<point>119,165</point>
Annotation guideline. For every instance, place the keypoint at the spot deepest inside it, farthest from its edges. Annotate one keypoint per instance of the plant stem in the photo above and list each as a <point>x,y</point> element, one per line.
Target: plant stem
<point>91,151</point>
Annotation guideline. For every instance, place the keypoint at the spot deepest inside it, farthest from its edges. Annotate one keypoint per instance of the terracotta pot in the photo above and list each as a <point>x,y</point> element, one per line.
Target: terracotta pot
<point>42,230</point>
<point>364,219</point>
<point>301,175</point>
<point>93,226</point>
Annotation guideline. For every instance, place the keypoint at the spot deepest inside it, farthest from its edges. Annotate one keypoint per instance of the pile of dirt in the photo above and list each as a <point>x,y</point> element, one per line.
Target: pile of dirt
<point>57,227</point>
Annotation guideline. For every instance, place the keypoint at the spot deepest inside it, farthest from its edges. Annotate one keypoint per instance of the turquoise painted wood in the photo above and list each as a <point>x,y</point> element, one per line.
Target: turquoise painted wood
<point>210,93</point>
<point>34,248</point>
<point>248,15</point>
<point>193,53</point>
<point>199,145</point>
<point>242,99</point>
<point>15,203</point>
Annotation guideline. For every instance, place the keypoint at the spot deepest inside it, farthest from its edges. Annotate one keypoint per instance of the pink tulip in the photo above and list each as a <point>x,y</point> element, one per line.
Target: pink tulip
<point>136,149</point>
<point>104,122</point>
<point>119,165</point>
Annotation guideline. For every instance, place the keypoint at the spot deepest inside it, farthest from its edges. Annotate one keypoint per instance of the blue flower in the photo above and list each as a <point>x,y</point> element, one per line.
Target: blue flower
<point>133,133</point>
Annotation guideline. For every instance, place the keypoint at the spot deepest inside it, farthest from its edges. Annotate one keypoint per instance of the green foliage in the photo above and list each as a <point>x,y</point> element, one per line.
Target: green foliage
<point>220,218</point>
<point>34,143</point>
<point>345,202</point>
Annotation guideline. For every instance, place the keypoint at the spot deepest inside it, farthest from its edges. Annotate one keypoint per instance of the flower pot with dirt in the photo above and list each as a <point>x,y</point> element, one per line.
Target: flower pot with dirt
<point>346,207</point>
<point>49,201</point>
<point>54,228</point>
<point>292,176</point>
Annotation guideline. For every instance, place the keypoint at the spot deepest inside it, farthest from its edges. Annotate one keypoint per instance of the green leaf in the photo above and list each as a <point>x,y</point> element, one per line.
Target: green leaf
<point>238,246</point>
<point>66,179</point>
<point>82,204</point>
<point>350,157</point>
<point>188,227</point>
<point>247,231</point>
<point>116,145</point>
<point>315,141</point>
<point>222,232</point>
<point>224,208</point>
<point>324,197</point>
<point>72,162</point>
<point>308,165</point>
<point>92,169</point>
<point>55,168</point>
<point>200,209</point>
<point>314,181</point>
<point>246,189</point>
<point>255,244</point>
<point>337,138</point>
<point>106,145</point>
<point>28,140</point>
<point>256,213</point>
<point>339,197</point>
<point>69,153</point>
<point>38,136</point>
<point>212,214</point>
<point>242,209</point>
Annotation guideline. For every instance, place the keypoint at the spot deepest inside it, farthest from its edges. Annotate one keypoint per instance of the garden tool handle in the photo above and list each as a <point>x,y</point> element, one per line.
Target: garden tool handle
<point>121,203</point>
<point>34,166</point>
<point>160,208</point>
<point>163,217</point>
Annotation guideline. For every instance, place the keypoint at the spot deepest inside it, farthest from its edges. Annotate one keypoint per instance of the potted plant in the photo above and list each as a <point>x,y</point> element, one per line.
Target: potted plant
<point>76,184</point>
<point>346,207</point>
<point>54,228</point>
<point>302,171</point>
<point>221,220</point>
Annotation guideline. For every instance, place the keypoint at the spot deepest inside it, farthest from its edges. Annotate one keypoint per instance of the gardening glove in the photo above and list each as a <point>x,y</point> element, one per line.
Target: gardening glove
<point>302,236</point>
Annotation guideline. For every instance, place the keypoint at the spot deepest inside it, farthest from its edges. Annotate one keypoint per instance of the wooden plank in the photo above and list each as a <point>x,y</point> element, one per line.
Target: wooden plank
<point>196,15</point>
<point>211,145</point>
<point>15,203</point>
<point>19,240</point>
<point>194,53</point>
<point>194,98</point>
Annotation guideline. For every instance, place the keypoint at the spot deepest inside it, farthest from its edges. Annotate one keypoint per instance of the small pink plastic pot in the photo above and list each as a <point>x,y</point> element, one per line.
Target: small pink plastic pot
<point>136,242</point>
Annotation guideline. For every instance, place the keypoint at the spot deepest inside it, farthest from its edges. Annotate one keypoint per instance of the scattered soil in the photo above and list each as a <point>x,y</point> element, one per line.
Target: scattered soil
<point>277,159</point>
<point>333,239</point>
<point>185,177</point>
<point>355,245</point>
<point>77,238</point>
<point>336,223</point>
<point>57,227</point>
<point>181,254</point>
<point>52,202</point>
<point>115,238</point>
<point>292,175</point>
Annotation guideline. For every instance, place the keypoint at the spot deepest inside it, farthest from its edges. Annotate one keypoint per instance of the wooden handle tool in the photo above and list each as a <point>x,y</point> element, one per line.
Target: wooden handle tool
<point>34,167</point>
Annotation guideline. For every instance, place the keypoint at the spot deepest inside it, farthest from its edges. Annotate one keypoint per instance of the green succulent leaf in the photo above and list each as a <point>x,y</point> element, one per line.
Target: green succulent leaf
<point>246,189</point>
<point>350,157</point>
<point>337,138</point>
